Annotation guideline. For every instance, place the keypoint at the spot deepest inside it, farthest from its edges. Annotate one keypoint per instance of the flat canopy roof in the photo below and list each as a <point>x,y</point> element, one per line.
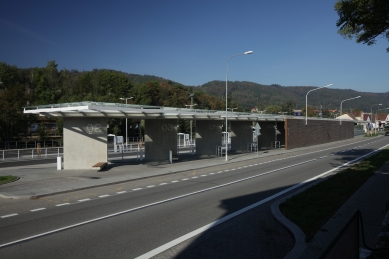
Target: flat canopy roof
<point>118,110</point>
<point>133,111</point>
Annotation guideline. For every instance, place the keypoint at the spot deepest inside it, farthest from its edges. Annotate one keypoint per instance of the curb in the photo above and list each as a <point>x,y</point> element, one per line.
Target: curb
<point>300,245</point>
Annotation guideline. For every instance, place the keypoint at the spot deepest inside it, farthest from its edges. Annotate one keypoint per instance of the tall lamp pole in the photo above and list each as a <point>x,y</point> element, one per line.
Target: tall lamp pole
<point>191,107</point>
<point>245,53</point>
<point>306,101</point>
<point>129,98</point>
<point>341,107</point>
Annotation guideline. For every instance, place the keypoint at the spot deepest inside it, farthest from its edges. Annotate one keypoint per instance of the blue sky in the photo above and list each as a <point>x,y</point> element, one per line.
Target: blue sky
<point>295,43</point>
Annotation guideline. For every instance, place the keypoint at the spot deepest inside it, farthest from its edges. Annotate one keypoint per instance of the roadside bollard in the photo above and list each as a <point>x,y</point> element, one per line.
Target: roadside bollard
<point>59,163</point>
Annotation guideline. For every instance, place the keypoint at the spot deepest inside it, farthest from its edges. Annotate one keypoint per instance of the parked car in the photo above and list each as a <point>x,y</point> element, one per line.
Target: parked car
<point>387,133</point>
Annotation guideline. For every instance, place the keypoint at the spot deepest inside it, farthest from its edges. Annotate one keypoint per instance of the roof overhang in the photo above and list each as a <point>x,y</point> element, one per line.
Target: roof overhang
<point>131,111</point>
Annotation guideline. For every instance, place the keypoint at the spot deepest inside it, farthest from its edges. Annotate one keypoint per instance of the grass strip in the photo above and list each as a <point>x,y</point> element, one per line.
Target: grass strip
<point>7,179</point>
<point>312,208</point>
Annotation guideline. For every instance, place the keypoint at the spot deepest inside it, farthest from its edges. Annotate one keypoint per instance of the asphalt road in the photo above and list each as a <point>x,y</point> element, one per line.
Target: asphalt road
<point>132,219</point>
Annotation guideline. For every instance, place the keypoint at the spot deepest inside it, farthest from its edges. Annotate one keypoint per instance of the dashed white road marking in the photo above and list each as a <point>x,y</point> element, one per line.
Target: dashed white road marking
<point>121,192</point>
<point>38,209</point>
<point>137,189</point>
<point>9,215</point>
<point>87,199</point>
<point>162,183</point>
<point>62,204</point>
<point>103,196</point>
<point>150,186</point>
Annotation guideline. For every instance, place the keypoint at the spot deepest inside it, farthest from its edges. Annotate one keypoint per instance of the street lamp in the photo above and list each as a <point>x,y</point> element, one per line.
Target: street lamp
<point>127,98</point>
<point>306,101</point>
<point>245,53</point>
<point>191,107</point>
<point>341,107</point>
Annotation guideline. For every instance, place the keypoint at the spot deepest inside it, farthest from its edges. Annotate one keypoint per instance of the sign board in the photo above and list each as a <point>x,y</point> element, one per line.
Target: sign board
<point>257,129</point>
<point>119,139</point>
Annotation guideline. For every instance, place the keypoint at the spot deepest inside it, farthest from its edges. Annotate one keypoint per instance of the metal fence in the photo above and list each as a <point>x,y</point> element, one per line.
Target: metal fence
<point>28,144</point>
<point>30,153</point>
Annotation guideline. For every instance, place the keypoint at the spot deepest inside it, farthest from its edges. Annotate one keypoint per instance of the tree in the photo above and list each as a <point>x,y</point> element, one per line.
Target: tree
<point>363,19</point>
<point>273,109</point>
<point>311,111</point>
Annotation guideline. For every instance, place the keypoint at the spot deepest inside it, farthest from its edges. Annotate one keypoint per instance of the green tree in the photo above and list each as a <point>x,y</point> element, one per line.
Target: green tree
<point>273,109</point>
<point>363,19</point>
<point>311,111</point>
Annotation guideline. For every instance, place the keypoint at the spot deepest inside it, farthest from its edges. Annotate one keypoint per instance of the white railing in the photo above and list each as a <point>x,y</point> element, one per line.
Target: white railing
<point>28,144</point>
<point>30,153</point>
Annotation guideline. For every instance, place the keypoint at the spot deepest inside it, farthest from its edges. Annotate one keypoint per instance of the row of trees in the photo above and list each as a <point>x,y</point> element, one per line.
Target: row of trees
<point>48,85</point>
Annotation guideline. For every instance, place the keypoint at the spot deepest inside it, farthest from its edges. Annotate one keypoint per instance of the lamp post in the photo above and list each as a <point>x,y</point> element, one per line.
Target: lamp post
<point>245,53</point>
<point>306,101</point>
<point>191,107</point>
<point>371,113</point>
<point>129,98</point>
<point>341,107</point>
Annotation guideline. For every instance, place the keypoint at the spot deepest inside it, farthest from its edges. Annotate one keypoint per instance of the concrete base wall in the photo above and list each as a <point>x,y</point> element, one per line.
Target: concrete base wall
<point>208,136</point>
<point>241,135</point>
<point>316,132</point>
<point>160,137</point>
<point>85,142</point>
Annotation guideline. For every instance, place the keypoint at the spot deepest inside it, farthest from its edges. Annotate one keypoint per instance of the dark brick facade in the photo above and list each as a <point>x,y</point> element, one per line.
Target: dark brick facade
<point>297,134</point>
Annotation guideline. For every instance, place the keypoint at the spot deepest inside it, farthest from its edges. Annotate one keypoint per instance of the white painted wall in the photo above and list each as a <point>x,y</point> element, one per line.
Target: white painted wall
<point>85,142</point>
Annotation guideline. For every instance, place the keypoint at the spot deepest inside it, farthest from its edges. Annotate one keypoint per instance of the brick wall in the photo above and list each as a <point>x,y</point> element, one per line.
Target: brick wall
<point>297,134</point>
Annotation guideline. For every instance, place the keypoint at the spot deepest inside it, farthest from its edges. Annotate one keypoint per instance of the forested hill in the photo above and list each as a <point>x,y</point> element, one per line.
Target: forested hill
<point>249,95</point>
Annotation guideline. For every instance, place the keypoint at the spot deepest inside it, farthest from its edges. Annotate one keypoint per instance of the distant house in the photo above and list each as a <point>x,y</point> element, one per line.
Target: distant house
<point>381,119</point>
<point>333,113</point>
<point>357,114</point>
<point>298,113</point>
